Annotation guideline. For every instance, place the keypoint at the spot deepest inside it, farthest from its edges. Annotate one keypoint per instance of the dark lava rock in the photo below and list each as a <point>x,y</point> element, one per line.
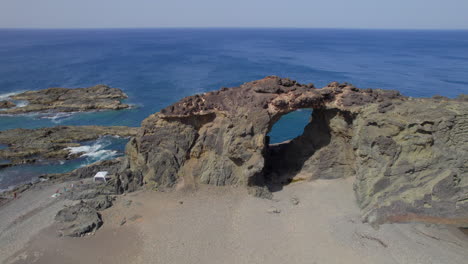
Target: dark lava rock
<point>78,220</point>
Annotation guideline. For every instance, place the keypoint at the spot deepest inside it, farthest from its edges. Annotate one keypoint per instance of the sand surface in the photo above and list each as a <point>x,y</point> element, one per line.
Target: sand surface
<point>225,225</point>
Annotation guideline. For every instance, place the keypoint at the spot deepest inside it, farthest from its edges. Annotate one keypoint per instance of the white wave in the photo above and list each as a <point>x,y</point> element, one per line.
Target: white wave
<point>101,154</point>
<point>21,103</point>
<point>5,96</point>
<point>57,117</point>
<point>95,152</point>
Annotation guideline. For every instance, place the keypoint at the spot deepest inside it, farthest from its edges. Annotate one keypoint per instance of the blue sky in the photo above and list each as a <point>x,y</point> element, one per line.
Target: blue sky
<point>385,14</point>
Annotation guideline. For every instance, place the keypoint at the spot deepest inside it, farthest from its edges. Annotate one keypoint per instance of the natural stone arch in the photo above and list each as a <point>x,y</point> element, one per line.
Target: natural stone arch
<point>408,155</point>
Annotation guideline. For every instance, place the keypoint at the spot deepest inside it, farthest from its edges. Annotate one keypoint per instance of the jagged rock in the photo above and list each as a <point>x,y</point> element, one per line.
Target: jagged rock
<point>77,220</point>
<point>111,166</point>
<point>412,162</point>
<point>29,145</point>
<point>409,155</point>
<point>100,202</point>
<point>99,97</point>
<point>6,104</point>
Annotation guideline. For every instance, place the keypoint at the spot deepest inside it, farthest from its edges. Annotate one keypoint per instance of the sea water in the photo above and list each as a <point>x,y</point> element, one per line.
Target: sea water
<point>157,67</point>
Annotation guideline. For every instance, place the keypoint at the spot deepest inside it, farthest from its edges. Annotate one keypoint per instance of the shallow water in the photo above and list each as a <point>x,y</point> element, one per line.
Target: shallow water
<point>157,67</point>
<point>102,149</point>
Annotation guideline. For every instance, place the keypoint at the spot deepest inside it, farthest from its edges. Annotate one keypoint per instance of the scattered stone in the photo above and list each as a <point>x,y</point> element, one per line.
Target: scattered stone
<point>260,192</point>
<point>273,210</point>
<point>127,203</point>
<point>135,217</point>
<point>78,220</point>
<point>295,200</point>
<point>123,221</point>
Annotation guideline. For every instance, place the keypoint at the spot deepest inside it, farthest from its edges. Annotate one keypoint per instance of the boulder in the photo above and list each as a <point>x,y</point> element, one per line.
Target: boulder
<point>78,220</point>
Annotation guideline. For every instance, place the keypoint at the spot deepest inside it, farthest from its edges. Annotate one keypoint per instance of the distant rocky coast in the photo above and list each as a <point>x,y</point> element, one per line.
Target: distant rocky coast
<point>99,97</point>
<point>53,143</point>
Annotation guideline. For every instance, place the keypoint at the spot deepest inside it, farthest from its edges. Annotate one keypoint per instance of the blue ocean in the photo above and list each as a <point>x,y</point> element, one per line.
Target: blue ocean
<point>157,67</point>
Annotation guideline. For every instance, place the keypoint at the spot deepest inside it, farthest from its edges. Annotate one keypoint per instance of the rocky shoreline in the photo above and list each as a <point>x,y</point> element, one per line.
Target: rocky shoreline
<point>30,145</point>
<point>408,156</point>
<point>99,97</point>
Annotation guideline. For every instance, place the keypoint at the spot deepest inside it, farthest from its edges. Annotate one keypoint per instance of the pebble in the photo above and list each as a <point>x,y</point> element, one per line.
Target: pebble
<point>295,200</point>
<point>274,210</point>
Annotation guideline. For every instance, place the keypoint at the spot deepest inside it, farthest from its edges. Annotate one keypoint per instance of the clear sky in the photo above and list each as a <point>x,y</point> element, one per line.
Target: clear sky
<point>401,14</point>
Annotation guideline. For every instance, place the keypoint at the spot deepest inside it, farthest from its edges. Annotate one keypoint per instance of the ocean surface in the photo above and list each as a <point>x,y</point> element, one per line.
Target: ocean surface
<point>157,67</point>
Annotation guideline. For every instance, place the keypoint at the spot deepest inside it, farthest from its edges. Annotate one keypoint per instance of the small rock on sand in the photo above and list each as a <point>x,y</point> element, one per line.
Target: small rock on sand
<point>274,210</point>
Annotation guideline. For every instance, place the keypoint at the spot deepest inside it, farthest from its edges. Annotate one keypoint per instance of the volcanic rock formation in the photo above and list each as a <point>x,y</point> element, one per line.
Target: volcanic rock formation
<point>409,156</point>
<point>99,97</point>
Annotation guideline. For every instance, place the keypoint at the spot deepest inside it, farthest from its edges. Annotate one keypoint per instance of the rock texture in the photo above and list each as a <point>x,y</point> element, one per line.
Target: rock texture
<point>99,97</point>
<point>6,104</point>
<point>29,145</point>
<point>78,220</point>
<point>409,155</point>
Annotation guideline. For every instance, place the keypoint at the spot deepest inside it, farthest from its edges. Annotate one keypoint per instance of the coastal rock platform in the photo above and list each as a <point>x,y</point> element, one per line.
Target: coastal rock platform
<point>53,143</point>
<point>99,97</point>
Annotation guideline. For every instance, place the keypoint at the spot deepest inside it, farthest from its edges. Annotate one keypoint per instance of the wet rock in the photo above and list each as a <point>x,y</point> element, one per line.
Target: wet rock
<point>78,220</point>
<point>6,104</point>
<point>99,97</point>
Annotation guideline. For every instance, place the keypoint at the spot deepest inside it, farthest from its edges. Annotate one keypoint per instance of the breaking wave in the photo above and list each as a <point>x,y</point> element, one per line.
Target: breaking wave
<point>57,118</point>
<point>96,151</point>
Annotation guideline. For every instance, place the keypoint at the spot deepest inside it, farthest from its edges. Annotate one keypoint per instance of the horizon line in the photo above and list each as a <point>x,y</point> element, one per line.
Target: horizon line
<point>229,27</point>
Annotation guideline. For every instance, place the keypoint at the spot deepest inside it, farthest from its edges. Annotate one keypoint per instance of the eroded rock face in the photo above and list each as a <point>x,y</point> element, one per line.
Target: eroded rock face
<point>219,137</point>
<point>409,155</point>
<point>99,97</point>
<point>412,162</point>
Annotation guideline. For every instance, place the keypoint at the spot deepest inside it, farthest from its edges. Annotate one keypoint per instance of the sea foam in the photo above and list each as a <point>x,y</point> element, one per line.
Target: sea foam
<point>96,151</point>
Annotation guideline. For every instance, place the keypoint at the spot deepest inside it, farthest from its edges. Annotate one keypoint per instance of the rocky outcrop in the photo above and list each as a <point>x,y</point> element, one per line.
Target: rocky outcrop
<point>99,97</point>
<point>29,145</point>
<point>412,162</point>
<point>78,220</point>
<point>6,104</point>
<point>409,156</point>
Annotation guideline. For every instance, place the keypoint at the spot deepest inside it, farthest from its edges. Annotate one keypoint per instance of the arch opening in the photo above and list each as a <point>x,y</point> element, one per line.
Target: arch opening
<point>322,150</point>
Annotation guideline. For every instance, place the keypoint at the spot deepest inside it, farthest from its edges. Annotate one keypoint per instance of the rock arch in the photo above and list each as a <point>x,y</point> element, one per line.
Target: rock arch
<point>409,155</point>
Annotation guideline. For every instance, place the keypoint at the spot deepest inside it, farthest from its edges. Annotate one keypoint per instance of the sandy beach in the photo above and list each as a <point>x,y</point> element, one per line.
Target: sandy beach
<point>306,222</point>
